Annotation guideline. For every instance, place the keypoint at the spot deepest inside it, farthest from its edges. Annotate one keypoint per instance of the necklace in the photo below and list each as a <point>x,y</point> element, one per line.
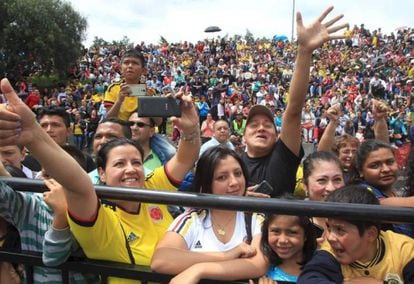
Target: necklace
<point>221,228</point>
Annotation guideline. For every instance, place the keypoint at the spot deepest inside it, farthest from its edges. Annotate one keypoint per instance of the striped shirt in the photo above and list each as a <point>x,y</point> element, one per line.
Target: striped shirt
<point>32,217</point>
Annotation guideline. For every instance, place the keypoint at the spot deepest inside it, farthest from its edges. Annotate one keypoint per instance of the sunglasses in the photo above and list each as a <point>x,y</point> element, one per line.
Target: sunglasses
<point>139,124</point>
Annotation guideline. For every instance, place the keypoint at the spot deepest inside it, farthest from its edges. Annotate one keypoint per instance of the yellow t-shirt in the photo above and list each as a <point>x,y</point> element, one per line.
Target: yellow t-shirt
<point>394,252</point>
<point>299,188</point>
<point>104,238</point>
<point>97,98</point>
<point>77,130</point>
<point>129,105</point>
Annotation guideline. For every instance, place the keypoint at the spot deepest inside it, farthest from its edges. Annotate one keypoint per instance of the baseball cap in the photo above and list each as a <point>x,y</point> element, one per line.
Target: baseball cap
<point>259,109</point>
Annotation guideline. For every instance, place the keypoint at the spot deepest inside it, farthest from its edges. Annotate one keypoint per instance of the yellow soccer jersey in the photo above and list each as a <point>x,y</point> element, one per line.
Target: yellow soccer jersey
<point>104,238</point>
<point>129,105</point>
<point>394,252</point>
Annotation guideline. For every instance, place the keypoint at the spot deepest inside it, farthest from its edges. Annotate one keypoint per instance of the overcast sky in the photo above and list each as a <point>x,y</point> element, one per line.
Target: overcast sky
<point>179,20</point>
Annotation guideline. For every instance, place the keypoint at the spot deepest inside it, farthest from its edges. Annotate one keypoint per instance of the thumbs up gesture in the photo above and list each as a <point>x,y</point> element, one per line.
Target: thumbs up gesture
<point>17,121</point>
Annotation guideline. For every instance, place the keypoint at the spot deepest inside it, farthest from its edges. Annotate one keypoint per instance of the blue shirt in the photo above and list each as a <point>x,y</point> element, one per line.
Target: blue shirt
<point>278,274</point>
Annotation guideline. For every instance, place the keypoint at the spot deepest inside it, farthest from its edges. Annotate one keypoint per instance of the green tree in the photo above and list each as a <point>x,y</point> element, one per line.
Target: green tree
<point>249,37</point>
<point>41,37</point>
<point>162,41</point>
<point>125,42</point>
<point>97,42</point>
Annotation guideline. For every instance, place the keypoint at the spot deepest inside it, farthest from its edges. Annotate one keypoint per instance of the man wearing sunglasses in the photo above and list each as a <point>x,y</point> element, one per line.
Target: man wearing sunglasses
<point>157,150</point>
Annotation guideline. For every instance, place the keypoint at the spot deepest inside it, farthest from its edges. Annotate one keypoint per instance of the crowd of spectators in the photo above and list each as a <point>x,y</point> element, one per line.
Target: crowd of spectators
<point>226,76</point>
<point>236,94</point>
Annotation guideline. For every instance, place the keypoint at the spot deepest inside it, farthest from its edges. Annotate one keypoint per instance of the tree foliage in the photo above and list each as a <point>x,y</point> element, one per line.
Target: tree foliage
<point>249,38</point>
<point>162,41</point>
<point>41,37</point>
<point>125,42</point>
<point>98,41</point>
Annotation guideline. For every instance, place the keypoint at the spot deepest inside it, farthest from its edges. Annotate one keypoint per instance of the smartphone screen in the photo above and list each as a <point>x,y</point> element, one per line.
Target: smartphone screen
<point>264,187</point>
<point>138,90</point>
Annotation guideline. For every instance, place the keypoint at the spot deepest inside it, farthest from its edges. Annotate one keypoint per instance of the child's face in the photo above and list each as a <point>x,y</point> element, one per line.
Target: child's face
<point>286,237</point>
<point>347,245</point>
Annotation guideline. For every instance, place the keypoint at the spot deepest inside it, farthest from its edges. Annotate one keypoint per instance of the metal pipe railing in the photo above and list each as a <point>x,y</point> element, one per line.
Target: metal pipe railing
<point>99,267</point>
<point>251,204</point>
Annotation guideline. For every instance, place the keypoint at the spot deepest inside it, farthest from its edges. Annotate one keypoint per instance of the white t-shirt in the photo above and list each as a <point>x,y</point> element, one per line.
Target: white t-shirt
<point>195,226</point>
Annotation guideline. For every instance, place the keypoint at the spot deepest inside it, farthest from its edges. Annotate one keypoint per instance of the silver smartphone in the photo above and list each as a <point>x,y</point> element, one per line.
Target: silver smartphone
<point>138,90</point>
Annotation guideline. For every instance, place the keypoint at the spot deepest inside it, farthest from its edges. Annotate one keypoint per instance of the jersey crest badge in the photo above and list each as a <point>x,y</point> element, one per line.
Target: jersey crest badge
<point>155,214</point>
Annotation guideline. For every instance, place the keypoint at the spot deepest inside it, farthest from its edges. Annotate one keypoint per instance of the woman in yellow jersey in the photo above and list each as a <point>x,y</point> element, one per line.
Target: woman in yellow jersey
<point>123,231</point>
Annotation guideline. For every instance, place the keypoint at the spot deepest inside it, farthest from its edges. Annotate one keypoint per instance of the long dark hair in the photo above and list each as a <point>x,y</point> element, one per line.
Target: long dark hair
<point>366,148</point>
<point>309,164</point>
<point>207,164</point>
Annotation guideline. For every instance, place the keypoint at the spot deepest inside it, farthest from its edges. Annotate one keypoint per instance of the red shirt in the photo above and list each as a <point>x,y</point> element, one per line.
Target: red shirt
<point>32,100</point>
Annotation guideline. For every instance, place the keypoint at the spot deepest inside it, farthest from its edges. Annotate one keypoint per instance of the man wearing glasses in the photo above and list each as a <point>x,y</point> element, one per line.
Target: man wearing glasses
<point>157,150</point>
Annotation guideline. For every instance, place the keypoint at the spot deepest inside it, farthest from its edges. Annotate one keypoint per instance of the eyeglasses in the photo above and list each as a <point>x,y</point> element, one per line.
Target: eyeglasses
<point>139,124</point>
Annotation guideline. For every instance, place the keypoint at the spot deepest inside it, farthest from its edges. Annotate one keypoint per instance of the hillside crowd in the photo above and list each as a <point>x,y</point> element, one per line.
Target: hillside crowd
<point>248,108</point>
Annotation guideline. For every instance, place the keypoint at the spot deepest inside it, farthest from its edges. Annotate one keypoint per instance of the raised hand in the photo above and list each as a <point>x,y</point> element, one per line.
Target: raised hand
<point>56,200</point>
<point>313,36</point>
<point>55,197</point>
<point>379,109</point>
<point>125,91</point>
<point>188,122</point>
<point>334,112</point>
<point>17,121</point>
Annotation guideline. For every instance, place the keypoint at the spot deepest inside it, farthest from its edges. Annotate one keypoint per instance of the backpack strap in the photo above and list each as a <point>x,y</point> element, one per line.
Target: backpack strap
<point>378,193</point>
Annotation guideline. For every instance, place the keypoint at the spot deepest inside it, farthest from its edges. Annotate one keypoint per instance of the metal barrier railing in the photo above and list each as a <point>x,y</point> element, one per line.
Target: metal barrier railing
<point>242,203</point>
<point>98,267</point>
<point>196,200</point>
